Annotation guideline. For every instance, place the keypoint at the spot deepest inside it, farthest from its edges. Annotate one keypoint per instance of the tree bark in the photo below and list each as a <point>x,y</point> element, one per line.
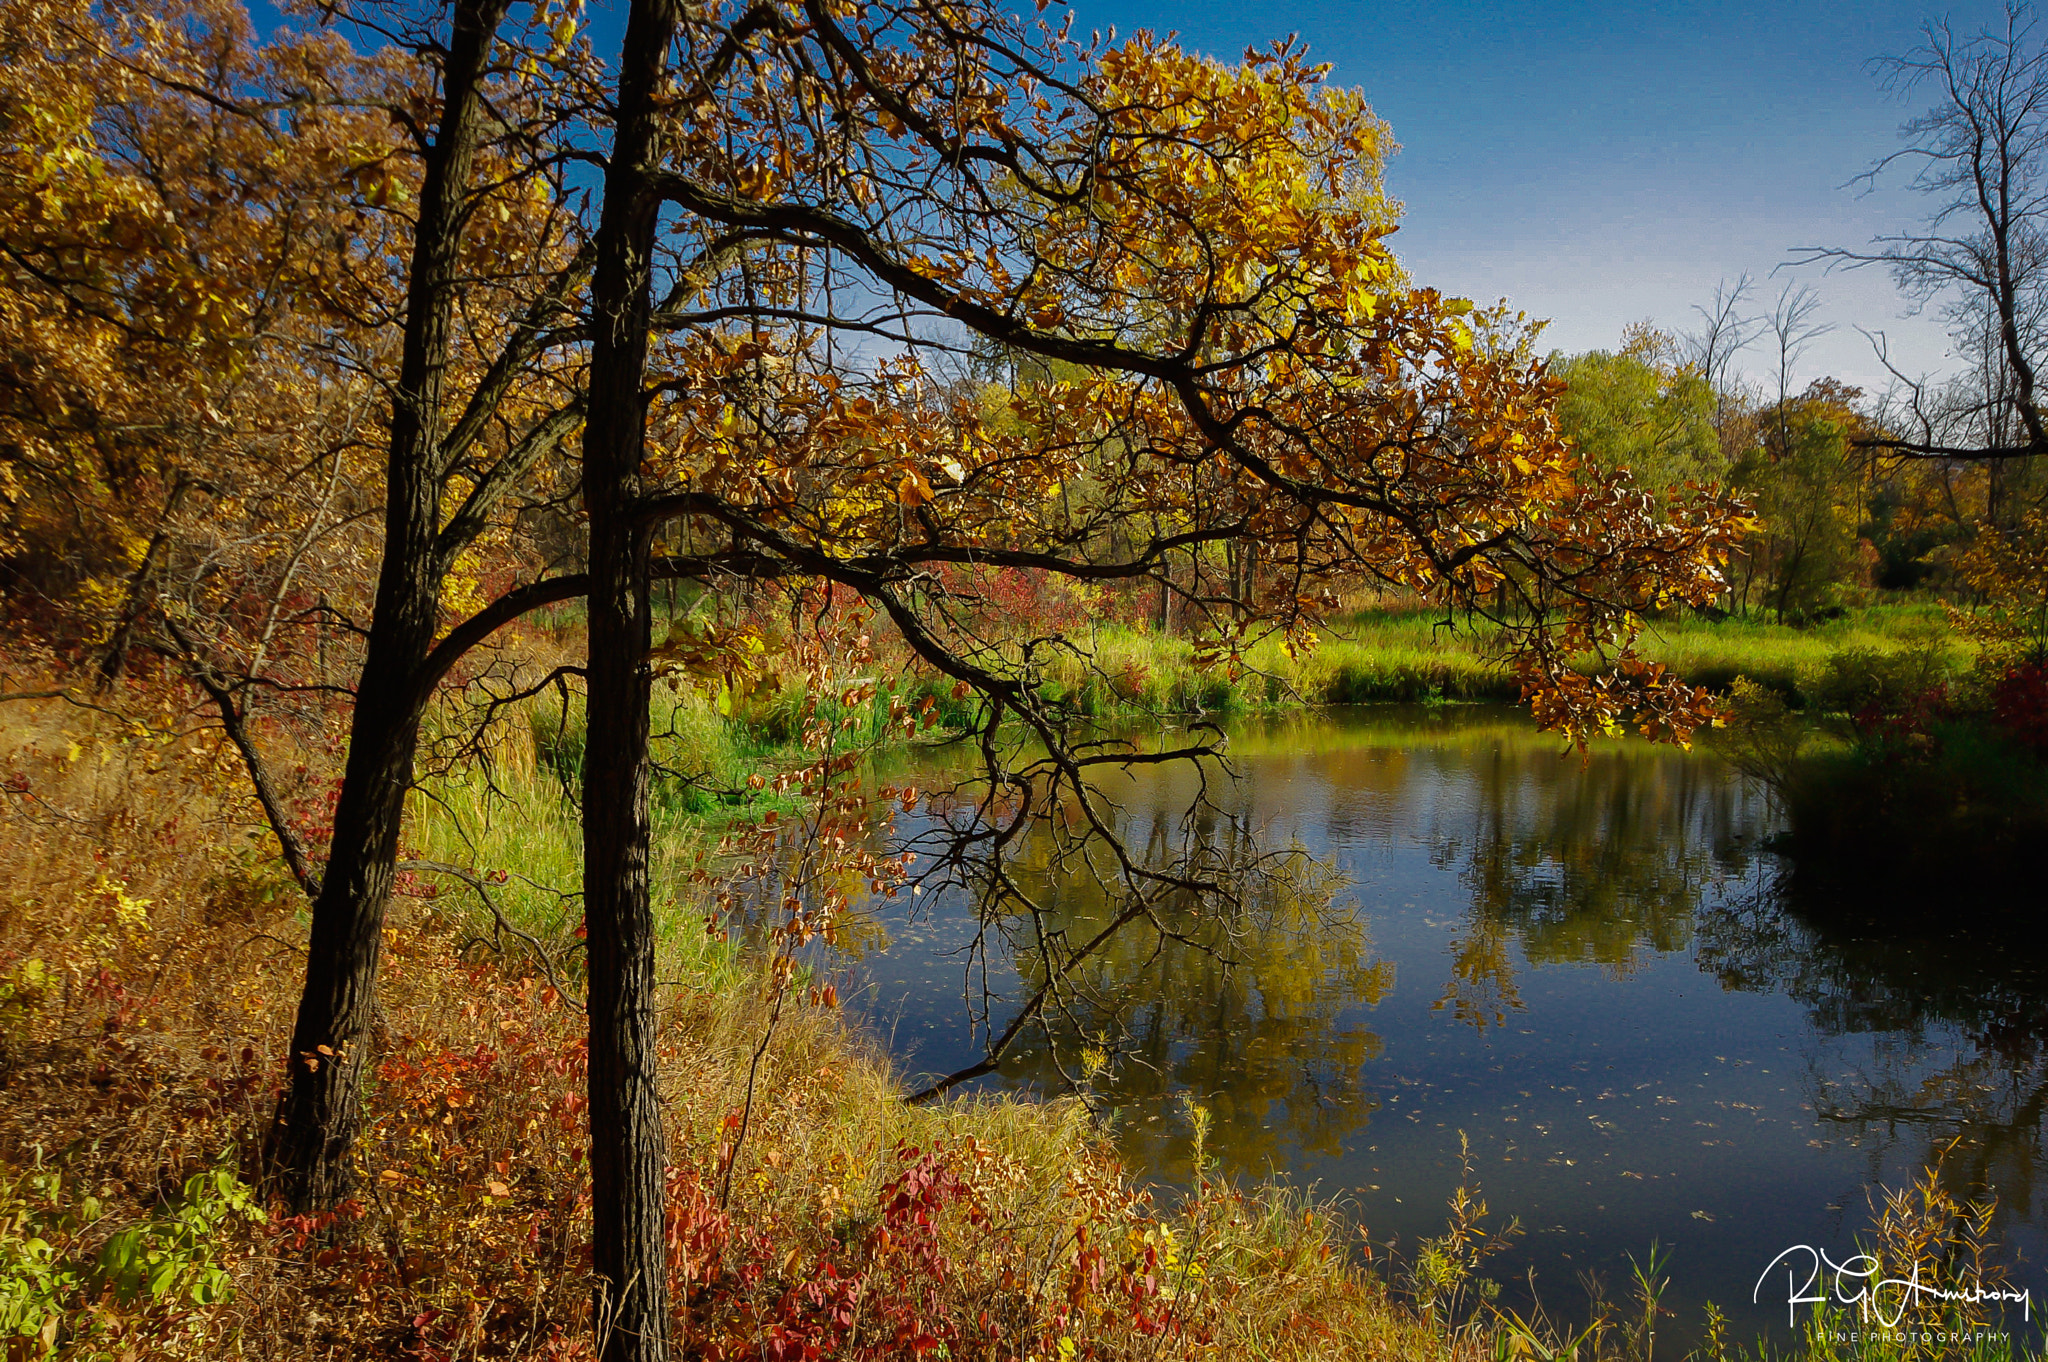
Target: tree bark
<point>628,1149</point>
<point>321,1108</point>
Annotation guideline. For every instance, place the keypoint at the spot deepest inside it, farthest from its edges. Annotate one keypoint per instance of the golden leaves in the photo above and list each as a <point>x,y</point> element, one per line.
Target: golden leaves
<point>913,491</point>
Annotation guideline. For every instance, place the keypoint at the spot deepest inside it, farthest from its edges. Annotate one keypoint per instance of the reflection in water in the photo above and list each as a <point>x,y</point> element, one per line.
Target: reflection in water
<point>1957,1021</point>
<point>1584,961</point>
<point>1245,1011</point>
<point>1597,857</point>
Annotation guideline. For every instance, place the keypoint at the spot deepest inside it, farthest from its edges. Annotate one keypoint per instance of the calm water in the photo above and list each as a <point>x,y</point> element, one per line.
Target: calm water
<point>1588,965</point>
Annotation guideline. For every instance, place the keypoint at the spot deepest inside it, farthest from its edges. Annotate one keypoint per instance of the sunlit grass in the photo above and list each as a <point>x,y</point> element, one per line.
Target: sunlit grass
<point>512,821</point>
<point>1419,656</point>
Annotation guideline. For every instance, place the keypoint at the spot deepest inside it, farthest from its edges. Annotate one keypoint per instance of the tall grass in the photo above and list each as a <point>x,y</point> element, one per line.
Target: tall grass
<point>134,1059</point>
<point>1797,662</point>
<point>511,821</point>
<point>1414,655</point>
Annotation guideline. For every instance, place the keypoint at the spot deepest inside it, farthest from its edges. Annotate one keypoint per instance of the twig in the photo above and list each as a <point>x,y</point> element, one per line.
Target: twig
<point>295,857</point>
<point>70,699</point>
<point>504,924</point>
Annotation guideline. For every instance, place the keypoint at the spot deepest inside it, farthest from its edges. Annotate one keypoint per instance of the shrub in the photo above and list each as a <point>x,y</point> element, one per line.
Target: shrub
<point>1953,802</point>
<point>1875,684</point>
<point>2019,703</point>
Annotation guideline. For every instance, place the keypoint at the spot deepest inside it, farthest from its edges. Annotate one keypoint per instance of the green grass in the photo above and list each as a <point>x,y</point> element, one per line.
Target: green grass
<point>513,811</point>
<point>1794,661</point>
<point>1413,656</point>
<point>516,815</point>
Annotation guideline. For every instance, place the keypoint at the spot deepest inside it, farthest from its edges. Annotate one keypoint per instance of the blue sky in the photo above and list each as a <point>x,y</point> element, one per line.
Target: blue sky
<point>1600,163</point>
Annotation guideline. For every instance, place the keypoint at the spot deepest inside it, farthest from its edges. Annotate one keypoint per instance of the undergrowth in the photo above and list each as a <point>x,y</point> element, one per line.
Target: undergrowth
<point>150,953</point>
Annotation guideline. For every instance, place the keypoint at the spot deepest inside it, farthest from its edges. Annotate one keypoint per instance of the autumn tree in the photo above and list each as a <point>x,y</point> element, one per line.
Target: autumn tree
<point>1243,402</point>
<point>481,400</point>
<point>174,443</point>
<point>296,327</point>
<point>1805,481</point>
<point>1202,245</point>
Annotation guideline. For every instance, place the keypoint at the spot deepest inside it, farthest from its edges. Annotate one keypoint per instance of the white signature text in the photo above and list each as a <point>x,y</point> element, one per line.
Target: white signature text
<point>1849,1283</point>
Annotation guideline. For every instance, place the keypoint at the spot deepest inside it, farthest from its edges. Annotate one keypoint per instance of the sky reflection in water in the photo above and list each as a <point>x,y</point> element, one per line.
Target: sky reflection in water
<point>1648,1031</point>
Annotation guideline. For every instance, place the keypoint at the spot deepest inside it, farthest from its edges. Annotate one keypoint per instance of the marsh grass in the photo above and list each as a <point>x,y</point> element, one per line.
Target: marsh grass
<point>511,816</point>
<point>1422,656</point>
<point>1921,1233</point>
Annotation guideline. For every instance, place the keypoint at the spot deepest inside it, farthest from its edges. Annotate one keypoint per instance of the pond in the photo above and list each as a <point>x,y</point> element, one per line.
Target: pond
<point>1648,1028</point>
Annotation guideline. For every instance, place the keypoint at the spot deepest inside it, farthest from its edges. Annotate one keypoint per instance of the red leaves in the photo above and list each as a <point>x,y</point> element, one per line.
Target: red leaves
<point>1903,727</point>
<point>2019,703</point>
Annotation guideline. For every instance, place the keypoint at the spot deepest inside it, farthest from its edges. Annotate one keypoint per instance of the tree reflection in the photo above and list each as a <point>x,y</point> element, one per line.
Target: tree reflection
<point>1957,1010</point>
<point>1597,857</point>
<point>1252,1012</point>
<point>1603,859</point>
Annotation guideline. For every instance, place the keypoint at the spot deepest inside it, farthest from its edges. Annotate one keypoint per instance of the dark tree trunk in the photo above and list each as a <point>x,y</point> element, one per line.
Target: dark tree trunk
<point>628,1150</point>
<point>321,1108</point>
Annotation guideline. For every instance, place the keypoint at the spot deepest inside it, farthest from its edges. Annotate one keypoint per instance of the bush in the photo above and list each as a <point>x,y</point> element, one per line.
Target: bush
<point>2019,704</point>
<point>1878,683</point>
<point>1966,807</point>
<point>1909,779</point>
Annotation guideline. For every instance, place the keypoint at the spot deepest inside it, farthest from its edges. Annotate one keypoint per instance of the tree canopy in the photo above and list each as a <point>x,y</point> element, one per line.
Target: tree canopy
<point>391,283</point>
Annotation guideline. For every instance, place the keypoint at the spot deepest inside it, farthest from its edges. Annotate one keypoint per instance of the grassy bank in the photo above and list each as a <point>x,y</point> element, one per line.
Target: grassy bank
<point>1415,656</point>
<point>1368,657</point>
<point>149,956</point>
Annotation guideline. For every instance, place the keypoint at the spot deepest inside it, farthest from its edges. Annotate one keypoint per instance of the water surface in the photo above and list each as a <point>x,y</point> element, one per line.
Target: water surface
<point>1587,964</point>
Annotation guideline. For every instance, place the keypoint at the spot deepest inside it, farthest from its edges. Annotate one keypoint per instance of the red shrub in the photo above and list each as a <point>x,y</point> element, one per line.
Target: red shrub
<point>2019,702</point>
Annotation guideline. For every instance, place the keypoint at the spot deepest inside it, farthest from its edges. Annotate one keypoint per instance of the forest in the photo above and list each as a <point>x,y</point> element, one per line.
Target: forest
<point>522,531</point>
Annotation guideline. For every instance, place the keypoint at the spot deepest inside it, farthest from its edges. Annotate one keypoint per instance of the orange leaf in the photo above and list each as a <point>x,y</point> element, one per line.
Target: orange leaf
<point>913,490</point>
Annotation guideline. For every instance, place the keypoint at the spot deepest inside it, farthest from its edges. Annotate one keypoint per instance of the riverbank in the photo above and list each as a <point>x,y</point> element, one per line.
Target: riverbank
<point>149,954</point>
<point>1417,656</point>
<point>149,951</point>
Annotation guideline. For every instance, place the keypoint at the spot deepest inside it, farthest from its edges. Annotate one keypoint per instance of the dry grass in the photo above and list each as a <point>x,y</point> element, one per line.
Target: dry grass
<point>149,955</point>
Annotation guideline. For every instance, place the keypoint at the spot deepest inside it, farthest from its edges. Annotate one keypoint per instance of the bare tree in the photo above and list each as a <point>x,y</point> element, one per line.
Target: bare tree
<point>1725,331</point>
<point>1792,329</point>
<point>1981,153</point>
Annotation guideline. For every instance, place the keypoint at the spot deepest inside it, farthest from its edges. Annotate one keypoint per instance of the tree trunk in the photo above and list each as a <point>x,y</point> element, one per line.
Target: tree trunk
<point>321,1109</point>
<point>628,1149</point>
